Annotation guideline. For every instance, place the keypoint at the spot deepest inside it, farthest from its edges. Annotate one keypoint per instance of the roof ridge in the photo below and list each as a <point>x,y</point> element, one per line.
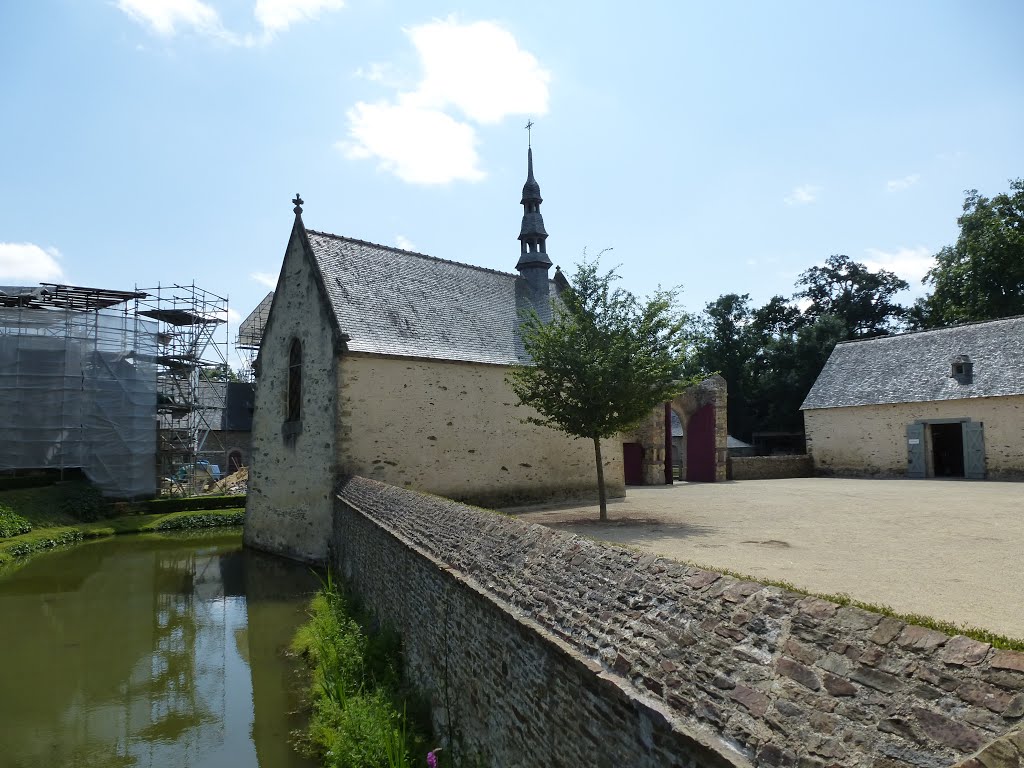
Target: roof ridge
<point>411,253</point>
<point>931,330</point>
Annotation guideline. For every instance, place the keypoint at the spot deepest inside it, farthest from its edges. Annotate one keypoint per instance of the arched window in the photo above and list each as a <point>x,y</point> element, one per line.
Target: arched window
<point>295,381</point>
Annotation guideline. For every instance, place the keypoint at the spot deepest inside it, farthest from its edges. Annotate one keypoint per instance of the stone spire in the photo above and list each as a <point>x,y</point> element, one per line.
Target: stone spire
<point>533,258</point>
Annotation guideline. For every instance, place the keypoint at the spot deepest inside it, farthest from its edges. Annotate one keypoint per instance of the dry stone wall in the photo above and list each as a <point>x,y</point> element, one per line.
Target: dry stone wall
<point>542,648</point>
<point>769,467</point>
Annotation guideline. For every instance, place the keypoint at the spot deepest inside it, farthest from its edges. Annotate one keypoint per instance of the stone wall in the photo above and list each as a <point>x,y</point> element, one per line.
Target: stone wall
<point>454,429</point>
<point>542,648</point>
<point>769,467</point>
<point>288,506</point>
<point>872,439</point>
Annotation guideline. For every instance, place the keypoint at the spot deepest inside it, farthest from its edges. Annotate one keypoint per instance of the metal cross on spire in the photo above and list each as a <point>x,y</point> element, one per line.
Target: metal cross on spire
<point>529,132</point>
<point>298,203</point>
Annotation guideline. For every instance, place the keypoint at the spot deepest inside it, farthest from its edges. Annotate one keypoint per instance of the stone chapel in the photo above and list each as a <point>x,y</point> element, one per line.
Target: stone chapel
<point>391,365</point>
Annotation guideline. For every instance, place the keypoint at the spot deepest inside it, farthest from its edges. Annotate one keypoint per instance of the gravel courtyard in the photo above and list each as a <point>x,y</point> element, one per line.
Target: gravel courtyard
<point>952,550</point>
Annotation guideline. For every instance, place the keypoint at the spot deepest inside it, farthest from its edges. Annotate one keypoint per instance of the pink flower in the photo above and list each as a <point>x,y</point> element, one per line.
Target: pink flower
<point>432,758</point>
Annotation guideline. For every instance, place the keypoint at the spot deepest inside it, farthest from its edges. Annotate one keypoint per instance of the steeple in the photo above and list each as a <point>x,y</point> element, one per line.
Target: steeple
<point>533,259</point>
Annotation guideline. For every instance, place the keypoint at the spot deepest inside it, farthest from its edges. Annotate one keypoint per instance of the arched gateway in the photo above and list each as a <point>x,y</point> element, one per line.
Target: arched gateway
<point>701,451</point>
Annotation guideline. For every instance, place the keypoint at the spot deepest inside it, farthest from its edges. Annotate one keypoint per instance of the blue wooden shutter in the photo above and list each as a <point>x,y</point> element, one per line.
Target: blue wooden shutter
<point>915,451</point>
<point>974,450</point>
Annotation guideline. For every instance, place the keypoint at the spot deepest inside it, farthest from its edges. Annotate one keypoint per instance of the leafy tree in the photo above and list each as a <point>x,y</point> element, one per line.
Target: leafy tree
<point>777,320</point>
<point>863,300</point>
<point>795,364</point>
<point>725,343</point>
<point>981,276</point>
<point>774,397</point>
<point>603,362</point>
<point>220,372</point>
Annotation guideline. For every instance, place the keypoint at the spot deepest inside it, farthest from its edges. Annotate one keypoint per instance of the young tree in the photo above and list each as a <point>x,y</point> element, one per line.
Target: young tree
<point>860,298</point>
<point>603,362</point>
<point>981,276</point>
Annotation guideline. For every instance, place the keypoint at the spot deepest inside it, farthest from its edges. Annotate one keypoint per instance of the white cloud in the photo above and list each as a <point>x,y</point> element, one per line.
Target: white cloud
<point>234,316</point>
<point>476,69</point>
<point>802,195</point>
<point>404,243</point>
<point>479,69</point>
<point>165,17</point>
<point>28,263</point>
<point>265,278</point>
<point>278,15</point>
<point>898,185</point>
<point>419,146</point>
<point>909,263</point>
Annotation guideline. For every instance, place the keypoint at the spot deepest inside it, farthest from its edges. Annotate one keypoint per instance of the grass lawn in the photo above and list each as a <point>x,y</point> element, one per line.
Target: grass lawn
<point>49,511</point>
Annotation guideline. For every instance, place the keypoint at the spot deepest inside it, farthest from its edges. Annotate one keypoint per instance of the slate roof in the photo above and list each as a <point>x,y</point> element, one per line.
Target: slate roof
<point>395,302</point>
<point>916,367</point>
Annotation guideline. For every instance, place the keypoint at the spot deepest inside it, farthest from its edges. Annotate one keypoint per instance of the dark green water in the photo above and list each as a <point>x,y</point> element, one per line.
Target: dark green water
<point>150,652</point>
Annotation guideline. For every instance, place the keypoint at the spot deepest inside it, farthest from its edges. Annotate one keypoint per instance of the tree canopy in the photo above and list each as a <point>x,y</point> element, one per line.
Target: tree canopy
<point>981,276</point>
<point>771,355</point>
<point>864,301</point>
<point>603,362</point>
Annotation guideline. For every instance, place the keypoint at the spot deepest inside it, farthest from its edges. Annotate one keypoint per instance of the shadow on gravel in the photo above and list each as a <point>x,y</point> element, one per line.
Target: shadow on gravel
<point>622,528</point>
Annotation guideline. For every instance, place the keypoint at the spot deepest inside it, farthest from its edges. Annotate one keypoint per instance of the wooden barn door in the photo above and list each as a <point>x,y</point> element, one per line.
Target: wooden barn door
<point>916,467</point>
<point>700,446</point>
<point>633,463</point>
<point>974,450</point>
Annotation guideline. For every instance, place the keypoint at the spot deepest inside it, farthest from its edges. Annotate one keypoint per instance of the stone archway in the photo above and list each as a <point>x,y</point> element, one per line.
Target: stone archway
<point>702,410</point>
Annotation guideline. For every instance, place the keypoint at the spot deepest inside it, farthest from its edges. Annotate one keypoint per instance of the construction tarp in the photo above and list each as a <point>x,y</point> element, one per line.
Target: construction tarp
<point>78,389</point>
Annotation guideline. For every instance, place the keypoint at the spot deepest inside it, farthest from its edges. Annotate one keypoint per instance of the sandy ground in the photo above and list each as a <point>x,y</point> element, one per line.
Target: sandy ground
<point>952,550</point>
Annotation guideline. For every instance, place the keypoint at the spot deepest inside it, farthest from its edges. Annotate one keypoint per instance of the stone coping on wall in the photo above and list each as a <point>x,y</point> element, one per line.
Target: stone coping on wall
<point>783,678</point>
<point>702,744</point>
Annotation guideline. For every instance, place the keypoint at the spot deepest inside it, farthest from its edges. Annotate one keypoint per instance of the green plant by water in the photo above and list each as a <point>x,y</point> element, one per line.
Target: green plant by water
<point>11,523</point>
<point>364,714</point>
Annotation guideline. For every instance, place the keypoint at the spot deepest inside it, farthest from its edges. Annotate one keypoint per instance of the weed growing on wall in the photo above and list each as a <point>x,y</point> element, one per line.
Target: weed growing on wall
<point>359,699</point>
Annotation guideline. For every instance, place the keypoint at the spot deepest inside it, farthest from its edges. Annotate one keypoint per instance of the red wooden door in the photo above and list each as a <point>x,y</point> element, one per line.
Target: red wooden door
<point>700,446</point>
<point>633,463</point>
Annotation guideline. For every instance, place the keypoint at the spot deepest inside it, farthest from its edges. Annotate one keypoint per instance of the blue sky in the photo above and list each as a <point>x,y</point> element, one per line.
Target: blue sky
<point>723,146</point>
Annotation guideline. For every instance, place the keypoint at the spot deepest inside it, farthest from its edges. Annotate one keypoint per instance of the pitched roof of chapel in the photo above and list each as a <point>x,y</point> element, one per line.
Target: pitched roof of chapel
<point>395,302</point>
<point>917,367</point>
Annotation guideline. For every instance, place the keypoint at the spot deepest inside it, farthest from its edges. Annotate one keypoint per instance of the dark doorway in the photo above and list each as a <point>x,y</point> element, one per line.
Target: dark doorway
<point>700,446</point>
<point>948,450</point>
<point>633,463</point>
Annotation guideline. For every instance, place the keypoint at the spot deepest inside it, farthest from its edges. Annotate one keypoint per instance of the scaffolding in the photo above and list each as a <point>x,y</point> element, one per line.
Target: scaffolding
<point>192,380</point>
<point>78,385</point>
<point>250,336</point>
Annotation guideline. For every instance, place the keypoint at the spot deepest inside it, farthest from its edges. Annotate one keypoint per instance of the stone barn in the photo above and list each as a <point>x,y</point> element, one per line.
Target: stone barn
<point>391,365</point>
<point>942,403</point>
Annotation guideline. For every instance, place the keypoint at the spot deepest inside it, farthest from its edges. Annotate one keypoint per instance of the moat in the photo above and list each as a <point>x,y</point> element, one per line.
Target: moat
<point>147,651</point>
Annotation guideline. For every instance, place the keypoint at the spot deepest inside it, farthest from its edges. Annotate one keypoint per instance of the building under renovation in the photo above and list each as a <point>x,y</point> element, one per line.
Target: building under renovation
<point>192,374</point>
<point>78,385</point>
<point>127,386</point>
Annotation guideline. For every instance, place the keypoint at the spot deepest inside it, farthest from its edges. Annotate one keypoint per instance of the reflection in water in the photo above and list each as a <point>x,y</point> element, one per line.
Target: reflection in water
<point>150,652</point>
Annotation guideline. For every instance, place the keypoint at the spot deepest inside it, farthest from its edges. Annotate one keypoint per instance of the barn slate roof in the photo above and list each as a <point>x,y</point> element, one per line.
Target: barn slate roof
<point>916,367</point>
<point>395,302</point>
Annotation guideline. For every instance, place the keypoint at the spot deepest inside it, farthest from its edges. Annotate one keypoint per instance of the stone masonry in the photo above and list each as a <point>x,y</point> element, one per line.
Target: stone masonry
<point>539,647</point>
<point>769,467</point>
